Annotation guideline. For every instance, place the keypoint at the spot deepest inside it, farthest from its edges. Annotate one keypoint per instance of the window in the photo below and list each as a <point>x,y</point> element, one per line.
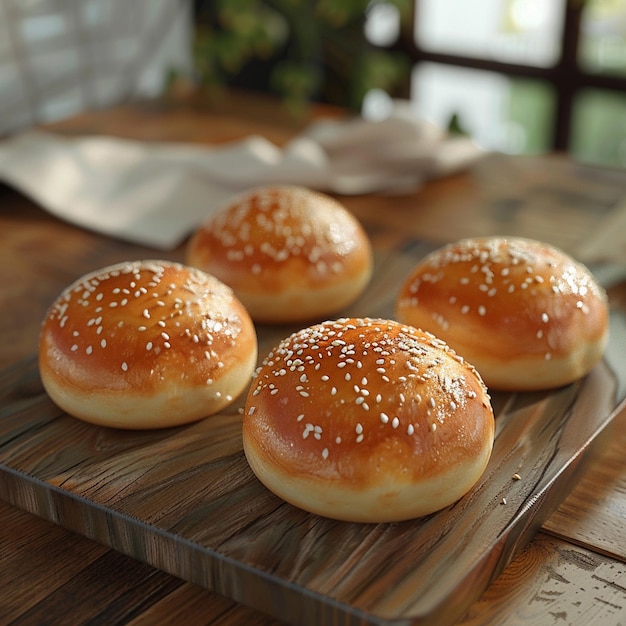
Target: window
<point>524,76</point>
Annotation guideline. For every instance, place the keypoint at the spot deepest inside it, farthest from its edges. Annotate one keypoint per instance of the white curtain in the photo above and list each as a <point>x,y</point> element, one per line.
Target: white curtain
<point>60,57</point>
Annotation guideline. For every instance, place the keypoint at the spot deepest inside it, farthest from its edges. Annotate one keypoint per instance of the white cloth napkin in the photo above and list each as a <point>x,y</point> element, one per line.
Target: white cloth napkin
<point>155,194</point>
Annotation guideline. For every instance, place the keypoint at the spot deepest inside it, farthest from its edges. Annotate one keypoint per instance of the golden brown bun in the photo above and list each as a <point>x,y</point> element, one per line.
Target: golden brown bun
<point>525,314</point>
<point>367,420</point>
<point>289,253</point>
<point>146,344</point>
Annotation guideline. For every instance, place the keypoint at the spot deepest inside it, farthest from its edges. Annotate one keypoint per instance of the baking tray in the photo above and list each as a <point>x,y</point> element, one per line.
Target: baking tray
<point>184,499</point>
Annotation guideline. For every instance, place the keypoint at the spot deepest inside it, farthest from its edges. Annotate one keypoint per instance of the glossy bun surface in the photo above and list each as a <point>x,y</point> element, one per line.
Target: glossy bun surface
<point>290,254</point>
<point>146,344</point>
<point>367,420</point>
<point>524,313</point>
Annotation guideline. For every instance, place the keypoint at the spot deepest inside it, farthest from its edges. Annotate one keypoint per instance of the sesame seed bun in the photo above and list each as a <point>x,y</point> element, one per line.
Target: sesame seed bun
<point>146,344</point>
<point>524,313</point>
<point>289,253</point>
<point>367,420</point>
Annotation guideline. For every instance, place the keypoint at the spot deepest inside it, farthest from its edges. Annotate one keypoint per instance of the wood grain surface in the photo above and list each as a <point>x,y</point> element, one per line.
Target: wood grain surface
<point>185,501</point>
<point>59,577</point>
<point>46,570</point>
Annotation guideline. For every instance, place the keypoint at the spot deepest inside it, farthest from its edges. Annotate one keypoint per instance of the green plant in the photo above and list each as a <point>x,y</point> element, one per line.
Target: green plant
<point>303,50</point>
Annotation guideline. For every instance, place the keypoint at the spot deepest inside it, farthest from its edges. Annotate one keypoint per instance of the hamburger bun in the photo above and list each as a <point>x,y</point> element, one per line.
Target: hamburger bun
<point>289,253</point>
<point>146,344</point>
<point>524,313</point>
<point>367,420</point>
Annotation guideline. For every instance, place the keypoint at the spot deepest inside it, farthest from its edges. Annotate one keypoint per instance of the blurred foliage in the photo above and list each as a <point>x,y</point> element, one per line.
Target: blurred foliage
<point>303,50</point>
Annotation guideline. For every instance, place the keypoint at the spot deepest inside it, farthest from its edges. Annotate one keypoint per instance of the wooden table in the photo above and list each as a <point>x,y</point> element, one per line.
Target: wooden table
<point>574,569</point>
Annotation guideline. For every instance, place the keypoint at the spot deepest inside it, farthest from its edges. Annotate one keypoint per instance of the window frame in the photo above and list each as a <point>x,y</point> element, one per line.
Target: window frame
<point>566,77</point>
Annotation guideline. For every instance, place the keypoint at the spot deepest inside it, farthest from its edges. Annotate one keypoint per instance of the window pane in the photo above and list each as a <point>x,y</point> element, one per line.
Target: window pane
<point>507,115</point>
<point>516,31</point>
<point>599,128</point>
<point>603,37</point>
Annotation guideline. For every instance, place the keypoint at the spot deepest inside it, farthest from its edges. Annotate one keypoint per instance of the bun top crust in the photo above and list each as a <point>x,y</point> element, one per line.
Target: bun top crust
<point>367,420</point>
<point>508,304</point>
<point>145,332</point>
<point>288,252</point>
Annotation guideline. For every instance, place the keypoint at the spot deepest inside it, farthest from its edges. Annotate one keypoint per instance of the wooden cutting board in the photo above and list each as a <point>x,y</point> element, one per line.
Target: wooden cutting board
<point>184,499</point>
